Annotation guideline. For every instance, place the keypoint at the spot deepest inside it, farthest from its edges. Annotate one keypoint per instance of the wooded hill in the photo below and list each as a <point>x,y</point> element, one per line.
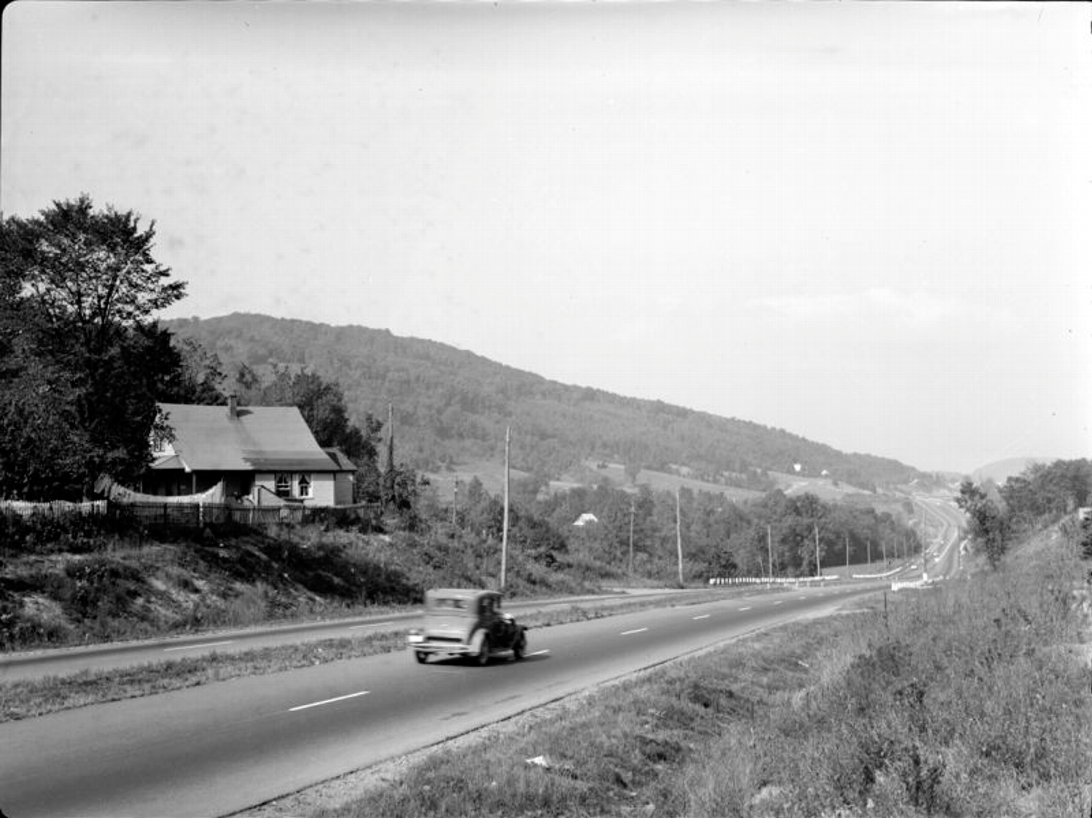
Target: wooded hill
<point>452,406</point>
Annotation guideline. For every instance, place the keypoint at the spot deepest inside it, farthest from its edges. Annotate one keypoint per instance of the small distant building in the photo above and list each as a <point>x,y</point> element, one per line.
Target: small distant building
<point>264,455</point>
<point>585,519</point>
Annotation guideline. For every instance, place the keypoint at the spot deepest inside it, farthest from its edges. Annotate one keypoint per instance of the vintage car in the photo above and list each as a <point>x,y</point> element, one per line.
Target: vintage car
<point>467,622</point>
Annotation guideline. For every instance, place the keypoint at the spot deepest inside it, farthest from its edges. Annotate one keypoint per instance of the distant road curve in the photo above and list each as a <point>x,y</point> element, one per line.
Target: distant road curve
<point>944,556</point>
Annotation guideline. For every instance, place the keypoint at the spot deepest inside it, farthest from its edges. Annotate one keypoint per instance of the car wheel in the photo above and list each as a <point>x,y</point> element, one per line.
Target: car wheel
<point>420,656</point>
<point>483,651</point>
<point>520,648</point>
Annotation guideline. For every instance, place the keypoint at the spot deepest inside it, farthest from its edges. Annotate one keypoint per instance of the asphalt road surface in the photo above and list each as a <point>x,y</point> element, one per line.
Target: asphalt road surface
<point>64,661</point>
<point>220,748</point>
<point>944,556</point>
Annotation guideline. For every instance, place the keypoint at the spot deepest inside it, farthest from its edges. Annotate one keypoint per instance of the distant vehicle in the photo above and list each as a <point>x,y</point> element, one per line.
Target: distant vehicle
<point>467,622</point>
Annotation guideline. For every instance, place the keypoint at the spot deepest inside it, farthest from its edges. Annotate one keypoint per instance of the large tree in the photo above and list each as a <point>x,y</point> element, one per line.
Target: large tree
<point>92,272</point>
<point>82,361</point>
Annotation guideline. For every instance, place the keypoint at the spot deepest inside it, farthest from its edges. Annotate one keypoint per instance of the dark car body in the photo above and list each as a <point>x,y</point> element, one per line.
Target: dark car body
<point>466,622</point>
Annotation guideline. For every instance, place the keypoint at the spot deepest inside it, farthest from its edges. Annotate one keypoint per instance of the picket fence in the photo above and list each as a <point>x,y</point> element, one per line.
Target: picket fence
<point>195,515</point>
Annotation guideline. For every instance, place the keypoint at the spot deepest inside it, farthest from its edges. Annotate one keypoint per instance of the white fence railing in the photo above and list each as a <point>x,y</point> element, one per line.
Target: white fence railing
<point>768,580</point>
<point>55,508</point>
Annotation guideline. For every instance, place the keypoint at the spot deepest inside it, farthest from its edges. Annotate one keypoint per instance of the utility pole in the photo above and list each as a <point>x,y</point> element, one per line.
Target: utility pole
<point>390,437</point>
<point>455,504</point>
<point>632,508</point>
<point>678,531</point>
<point>847,556</point>
<point>818,570</point>
<point>387,497</point>
<point>504,536</point>
<point>769,547</point>
<point>869,541</point>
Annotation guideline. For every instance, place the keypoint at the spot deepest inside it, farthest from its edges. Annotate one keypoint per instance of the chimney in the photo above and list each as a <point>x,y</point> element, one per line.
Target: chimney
<point>232,406</point>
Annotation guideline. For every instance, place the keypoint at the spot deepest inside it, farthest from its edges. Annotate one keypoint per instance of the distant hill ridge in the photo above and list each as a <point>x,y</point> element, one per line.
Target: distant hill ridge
<point>1002,470</point>
<point>452,406</point>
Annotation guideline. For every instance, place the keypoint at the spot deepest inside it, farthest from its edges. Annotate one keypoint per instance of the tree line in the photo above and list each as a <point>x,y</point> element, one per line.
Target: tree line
<point>633,532</point>
<point>1042,494</point>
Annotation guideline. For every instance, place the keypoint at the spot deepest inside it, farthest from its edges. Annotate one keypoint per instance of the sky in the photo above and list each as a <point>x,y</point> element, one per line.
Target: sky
<point>864,223</point>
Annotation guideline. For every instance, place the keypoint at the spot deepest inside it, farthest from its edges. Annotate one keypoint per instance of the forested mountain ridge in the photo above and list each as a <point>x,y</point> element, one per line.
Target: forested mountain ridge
<point>452,406</point>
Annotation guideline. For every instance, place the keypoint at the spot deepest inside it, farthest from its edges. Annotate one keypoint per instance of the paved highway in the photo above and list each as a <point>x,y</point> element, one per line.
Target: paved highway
<point>64,661</point>
<point>220,748</point>
<point>943,556</point>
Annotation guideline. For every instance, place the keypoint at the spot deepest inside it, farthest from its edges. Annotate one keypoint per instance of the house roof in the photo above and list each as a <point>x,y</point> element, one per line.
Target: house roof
<point>257,438</point>
<point>340,459</point>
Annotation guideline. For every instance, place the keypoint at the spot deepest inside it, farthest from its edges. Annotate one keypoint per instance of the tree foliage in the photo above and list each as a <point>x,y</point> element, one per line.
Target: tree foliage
<point>1047,491</point>
<point>82,361</point>
<point>91,272</point>
<point>989,527</point>
<point>322,405</point>
<point>454,406</point>
<point>197,376</point>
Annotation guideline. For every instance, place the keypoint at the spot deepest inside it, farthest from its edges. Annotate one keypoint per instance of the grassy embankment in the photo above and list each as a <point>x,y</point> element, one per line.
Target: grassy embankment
<point>966,700</point>
<point>75,582</point>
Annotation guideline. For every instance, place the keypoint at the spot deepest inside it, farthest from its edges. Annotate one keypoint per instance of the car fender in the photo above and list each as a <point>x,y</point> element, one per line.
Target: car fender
<point>476,640</point>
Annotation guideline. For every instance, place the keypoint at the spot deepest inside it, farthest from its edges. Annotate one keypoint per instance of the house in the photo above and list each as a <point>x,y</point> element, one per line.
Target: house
<point>265,455</point>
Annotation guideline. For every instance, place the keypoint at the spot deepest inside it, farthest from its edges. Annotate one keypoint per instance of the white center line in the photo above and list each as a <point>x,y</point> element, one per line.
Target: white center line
<point>537,653</point>
<point>369,625</point>
<point>638,630</point>
<point>195,647</point>
<point>328,701</point>
<point>747,608</point>
<point>703,616</point>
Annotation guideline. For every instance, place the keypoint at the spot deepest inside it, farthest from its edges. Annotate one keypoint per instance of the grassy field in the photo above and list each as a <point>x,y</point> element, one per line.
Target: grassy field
<point>968,700</point>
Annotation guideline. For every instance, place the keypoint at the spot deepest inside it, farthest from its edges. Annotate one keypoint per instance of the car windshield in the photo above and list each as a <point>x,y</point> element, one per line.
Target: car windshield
<point>449,605</point>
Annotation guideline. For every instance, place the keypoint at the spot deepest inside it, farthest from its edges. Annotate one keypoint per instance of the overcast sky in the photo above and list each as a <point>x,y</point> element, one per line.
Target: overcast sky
<point>868,224</point>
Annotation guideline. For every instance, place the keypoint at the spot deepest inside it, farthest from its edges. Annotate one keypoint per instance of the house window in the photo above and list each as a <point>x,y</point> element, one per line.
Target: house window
<point>161,443</point>
<point>305,485</point>
<point>282,485</point>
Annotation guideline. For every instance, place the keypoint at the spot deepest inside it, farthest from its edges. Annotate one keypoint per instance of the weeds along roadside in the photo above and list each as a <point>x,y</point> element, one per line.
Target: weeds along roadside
<point>959,701</point>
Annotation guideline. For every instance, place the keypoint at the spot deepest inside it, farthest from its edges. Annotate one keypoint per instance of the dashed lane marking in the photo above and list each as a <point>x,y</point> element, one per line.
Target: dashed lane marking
<point>747,608</point>
<point>537,653</point>
<point>637,630</point>
<point>196,647</point>
<point>328,701</point>
<point>703,616</point>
